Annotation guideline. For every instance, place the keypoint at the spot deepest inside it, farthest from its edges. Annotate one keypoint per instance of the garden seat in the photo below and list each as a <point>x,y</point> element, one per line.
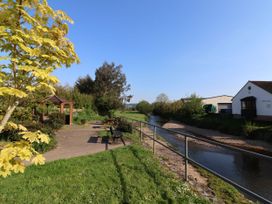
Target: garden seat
<point>115,134</point>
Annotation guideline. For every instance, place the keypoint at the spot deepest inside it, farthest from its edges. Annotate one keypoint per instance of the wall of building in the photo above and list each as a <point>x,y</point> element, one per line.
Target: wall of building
<point>263,100</point>
<point>217,100</point>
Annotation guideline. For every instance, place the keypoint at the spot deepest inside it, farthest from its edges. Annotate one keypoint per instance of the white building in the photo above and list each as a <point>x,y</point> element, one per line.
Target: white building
<point>254,100</point>
<point>221,103</point>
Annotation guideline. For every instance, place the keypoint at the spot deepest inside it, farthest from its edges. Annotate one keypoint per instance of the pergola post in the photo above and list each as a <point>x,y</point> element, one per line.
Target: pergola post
<point>62,108</point>
<point>62,103</point>
<point>71,113</point>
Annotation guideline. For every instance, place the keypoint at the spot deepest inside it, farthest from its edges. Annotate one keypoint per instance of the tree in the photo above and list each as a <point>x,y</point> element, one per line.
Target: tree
<point>192,107</point>
<point>144,107</point>
<point>85,84</point>
<point>33,44</point>
<point>162,98</point>
<point>110,87</point>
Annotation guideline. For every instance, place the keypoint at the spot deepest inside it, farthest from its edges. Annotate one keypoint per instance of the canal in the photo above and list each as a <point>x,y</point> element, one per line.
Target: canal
<point>249,171</point>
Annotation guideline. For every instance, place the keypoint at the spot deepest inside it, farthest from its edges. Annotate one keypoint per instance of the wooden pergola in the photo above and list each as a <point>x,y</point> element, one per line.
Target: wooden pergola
<point>62,103</point>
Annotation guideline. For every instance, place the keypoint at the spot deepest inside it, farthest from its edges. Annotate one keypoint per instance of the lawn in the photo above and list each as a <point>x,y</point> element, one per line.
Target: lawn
<point>124,175</point>
<point>132,115</point>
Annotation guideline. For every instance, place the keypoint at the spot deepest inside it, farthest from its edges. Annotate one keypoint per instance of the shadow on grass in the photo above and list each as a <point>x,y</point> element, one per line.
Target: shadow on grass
<point>151,174</point>
<point>122,179</point>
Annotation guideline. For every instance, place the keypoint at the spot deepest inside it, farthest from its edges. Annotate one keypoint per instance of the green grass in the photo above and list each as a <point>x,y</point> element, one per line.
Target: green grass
<point>132,115</point>
<point>224,191</point>
<point>124,175</point>
<point>103,133</point>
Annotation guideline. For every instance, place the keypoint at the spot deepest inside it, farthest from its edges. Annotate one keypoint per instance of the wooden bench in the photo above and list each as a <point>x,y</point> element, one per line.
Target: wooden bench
<point>115,134</point>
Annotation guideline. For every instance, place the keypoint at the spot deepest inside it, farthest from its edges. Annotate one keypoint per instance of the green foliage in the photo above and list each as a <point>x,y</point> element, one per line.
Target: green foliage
<point>168,110</point>
<point>83,100</point>
<point>87,114</point>
<point>192,107</point>
<point>110,87</point>
<point>252,130</point>
<point>144,107</point>
<point>85,85</point>
<point>80,100</point>
<point>124,175</point>
<point>55,121</point>
<point>179,109</point>
<point>33,43</point>
<point>105,104</point>
<point>10,135</point>
<point>132,115</point>
<point>122,125</point>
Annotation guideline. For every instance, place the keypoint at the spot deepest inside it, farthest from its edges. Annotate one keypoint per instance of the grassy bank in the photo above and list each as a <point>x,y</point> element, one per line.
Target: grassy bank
<point>223,191</point>
<point>132,115</point>
<point>125,175</point>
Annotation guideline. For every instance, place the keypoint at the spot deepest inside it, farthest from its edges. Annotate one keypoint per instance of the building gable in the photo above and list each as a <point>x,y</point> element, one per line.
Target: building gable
<point>263,99</point>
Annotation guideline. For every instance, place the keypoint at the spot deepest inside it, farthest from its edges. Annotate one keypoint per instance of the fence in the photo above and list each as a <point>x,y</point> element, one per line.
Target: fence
<point>138,125</point>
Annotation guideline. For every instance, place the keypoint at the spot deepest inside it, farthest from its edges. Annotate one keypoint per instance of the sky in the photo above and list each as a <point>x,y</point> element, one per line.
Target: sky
<point>176,47</point>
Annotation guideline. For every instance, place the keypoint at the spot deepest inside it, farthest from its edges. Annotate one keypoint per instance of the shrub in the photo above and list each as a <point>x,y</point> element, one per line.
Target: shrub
<point>83,121</point>
<point>10,135</point>
<point>249,128</point>
<point>122,125</point>
<point>55,120</point>
<point>144,107</point>
<point>192,107</point>
<point>87,114</point>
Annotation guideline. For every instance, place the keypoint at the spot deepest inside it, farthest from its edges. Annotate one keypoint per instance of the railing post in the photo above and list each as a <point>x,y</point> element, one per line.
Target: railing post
<point>186,158</point>
<point>154,137</point>
<point>141,134</point>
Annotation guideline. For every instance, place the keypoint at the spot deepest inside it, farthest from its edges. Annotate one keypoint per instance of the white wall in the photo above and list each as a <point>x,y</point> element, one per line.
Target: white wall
<point>263,100</point>
<point>215,100</point>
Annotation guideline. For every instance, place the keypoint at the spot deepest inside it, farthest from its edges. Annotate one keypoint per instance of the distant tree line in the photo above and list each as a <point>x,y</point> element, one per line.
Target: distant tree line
<point>172,109</point>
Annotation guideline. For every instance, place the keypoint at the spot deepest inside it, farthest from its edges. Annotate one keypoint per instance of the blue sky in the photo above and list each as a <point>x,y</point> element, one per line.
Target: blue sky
<point>177,47</point>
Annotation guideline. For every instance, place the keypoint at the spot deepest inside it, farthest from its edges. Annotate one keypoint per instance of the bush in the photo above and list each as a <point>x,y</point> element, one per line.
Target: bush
<point>123,125</point>
<point>192,107</point>
<point>144,107</point>
<point>85,115</point>
<point>55,120</point>
<point>10,135</point>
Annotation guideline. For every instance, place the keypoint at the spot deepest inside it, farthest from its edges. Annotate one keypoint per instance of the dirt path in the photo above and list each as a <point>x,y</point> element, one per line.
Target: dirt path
<point>78,141</point>
<point>253,145</point>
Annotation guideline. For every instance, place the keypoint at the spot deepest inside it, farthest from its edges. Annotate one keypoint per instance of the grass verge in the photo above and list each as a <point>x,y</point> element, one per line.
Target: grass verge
<point>124,175</point>
<point>223,190</point>
<point>132,115</point>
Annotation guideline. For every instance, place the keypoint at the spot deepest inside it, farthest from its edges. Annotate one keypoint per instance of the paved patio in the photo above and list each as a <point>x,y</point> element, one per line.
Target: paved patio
<point>76,141</point>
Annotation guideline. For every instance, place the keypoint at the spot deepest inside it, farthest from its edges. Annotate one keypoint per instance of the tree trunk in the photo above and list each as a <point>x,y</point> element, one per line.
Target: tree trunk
<point>9,112</point>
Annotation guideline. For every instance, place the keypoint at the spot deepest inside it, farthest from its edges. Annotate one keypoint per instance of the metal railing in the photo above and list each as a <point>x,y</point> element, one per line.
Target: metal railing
<point>187,159</point>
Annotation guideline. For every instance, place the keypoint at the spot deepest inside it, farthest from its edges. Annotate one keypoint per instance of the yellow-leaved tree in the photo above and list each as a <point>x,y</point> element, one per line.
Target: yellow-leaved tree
<point>33,44</point>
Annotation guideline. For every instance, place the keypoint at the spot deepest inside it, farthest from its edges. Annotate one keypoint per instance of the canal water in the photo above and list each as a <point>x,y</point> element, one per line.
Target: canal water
<point>249,171</point>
